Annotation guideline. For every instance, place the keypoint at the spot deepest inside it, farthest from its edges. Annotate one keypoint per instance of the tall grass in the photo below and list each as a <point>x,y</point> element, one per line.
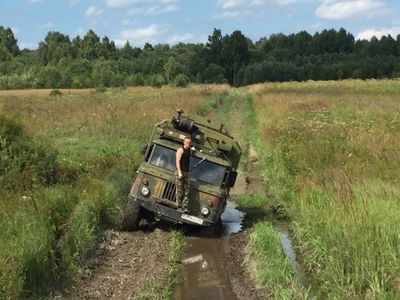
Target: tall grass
<point>264,255</point>
<point>331,161</point>
<point>48,230</point>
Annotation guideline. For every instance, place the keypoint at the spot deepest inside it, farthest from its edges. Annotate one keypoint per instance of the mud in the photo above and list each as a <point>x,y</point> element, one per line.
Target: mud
<point>242,282</point>
<point>124,266</point>
<point>213,265</point>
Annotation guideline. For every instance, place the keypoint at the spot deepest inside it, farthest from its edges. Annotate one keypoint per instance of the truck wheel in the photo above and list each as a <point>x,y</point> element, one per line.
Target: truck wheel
<point>131,215</point>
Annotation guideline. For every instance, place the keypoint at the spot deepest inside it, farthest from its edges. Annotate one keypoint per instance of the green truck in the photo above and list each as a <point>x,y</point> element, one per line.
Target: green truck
<point>214,160</point>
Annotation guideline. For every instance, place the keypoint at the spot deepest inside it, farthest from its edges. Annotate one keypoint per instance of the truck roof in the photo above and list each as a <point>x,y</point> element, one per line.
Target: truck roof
<point>209,138</point>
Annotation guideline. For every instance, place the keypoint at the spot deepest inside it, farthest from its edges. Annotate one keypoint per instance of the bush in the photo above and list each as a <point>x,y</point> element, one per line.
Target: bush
<point>23,162</point>
<point>134,80</point>
<point>181,80</point>
<point>100,89</point>
<point>55,93</point>
<point>157,80</point>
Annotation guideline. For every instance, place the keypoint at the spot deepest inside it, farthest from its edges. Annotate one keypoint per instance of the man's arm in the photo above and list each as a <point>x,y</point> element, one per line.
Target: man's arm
<point>179,153</point>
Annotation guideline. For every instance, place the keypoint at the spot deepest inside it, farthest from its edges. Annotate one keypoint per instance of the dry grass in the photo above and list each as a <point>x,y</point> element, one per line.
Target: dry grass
<point>46,231</point>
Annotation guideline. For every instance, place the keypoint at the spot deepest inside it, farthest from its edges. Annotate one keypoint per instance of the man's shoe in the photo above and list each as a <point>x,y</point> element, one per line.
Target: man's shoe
<point>181,210</point>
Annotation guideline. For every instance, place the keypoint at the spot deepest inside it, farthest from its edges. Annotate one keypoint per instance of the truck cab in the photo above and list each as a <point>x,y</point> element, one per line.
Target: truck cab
<point>214,160</point>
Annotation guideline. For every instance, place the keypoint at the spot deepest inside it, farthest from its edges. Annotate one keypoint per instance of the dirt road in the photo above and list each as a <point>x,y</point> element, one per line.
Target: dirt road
<point>126,265</point>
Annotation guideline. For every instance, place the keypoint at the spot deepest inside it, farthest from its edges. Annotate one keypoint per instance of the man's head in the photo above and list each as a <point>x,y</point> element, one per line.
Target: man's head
<point>186,142</point>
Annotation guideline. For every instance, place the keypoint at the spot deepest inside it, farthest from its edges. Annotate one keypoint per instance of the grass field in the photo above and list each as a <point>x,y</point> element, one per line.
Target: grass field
<point>331,155</point>
<point>67,162</point>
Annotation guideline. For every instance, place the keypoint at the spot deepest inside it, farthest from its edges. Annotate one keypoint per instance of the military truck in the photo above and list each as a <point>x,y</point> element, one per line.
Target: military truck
<point>214,160</point>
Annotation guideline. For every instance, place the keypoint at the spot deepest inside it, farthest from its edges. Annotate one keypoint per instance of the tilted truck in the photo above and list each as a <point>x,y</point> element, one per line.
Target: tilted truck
<point>213,169</point>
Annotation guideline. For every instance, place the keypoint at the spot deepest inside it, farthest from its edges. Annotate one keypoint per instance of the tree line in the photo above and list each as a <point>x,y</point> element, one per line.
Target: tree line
<point>91,61</point>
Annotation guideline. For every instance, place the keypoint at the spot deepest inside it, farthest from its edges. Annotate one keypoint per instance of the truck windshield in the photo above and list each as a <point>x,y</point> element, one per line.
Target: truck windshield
<point>205,171</point>
<point>163,157</point>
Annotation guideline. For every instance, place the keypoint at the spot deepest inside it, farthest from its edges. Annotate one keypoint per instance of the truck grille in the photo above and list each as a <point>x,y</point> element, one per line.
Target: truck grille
<point>169,191</point>
<point>165,190</point>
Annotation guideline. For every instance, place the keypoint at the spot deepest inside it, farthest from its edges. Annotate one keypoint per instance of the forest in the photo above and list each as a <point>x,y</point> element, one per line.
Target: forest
<point>91,61</point>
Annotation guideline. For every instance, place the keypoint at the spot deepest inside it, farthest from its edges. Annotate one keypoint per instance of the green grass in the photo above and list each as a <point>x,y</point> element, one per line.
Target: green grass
<point>48,228</point>
<point>330,165</point>
<point>353,251</point>
<point>264,255</point>
<point>174,259</point>
<point>152,289</point>
<point>269,264</point>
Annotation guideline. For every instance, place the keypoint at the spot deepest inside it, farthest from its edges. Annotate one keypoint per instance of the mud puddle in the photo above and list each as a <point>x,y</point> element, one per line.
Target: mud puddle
<point>282,228</point>
<point>203,274</point>
<point>287,246</point>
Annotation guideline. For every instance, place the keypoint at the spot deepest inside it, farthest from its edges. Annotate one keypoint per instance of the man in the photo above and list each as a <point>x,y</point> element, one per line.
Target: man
<point>182,175</point>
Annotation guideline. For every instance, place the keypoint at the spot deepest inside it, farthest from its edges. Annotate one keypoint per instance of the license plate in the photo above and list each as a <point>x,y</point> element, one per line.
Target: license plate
<point>192,219</point>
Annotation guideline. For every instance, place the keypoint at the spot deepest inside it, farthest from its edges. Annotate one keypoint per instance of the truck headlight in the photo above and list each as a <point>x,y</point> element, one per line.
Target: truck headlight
<point>205,211</point>
<point>145,191</point>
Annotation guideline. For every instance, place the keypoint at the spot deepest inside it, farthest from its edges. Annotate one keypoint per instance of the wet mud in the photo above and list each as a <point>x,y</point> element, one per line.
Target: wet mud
<point>125,265</point>
<point>203,273</point>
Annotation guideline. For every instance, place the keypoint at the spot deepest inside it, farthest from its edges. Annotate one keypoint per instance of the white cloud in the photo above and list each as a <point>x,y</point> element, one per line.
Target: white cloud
<point>34,1</point>
<point>332,9</point>
<point>153,10</point>
<point>139,36</point>
<point>79,32</point>
<point>122,3</point>
<point>46,25</point>
<point>23,45</point>
<point>187,38</point>
<point>228,14</point>
<point>93,11</point>
<point>229,4</point>
<point>369,33</point>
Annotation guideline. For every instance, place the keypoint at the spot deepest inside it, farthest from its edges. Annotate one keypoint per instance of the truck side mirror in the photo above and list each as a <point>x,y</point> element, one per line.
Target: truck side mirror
<point>143,149</point>
<point>231,178</point>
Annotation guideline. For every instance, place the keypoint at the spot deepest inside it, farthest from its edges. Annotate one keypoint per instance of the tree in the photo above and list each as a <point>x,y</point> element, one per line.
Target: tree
<point>170,69</point>
<point>8,41</point>
<point>108,49</point>
<point>214,74</point>
<point>148,47</point>
<point>128,52</point>
<point>235,53</point>
<point>214,46</point>
<point>55,47</point>
<point>91,46</point>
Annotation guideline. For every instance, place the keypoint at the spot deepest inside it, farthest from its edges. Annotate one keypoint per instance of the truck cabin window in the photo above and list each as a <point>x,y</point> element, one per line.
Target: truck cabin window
<point>205,170</point>
<point>163,157</point>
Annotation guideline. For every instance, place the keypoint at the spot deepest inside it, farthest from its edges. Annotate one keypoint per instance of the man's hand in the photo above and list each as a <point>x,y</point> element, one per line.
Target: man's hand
<point>193,148</point>
<point>180,175</point>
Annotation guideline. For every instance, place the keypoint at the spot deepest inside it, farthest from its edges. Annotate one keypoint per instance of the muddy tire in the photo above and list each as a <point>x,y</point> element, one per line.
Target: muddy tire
<point>131,215</point>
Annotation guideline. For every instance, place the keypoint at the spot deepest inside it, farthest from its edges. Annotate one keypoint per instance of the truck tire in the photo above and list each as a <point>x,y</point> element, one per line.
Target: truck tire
<point>131,215</point>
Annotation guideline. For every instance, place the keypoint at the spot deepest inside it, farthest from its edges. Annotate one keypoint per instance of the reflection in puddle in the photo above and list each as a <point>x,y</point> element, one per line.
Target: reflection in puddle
<point>232,218</point>
<point>203,275</point>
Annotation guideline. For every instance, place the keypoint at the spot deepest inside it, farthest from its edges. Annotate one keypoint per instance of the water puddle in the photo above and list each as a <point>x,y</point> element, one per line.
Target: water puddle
<point>287,245</point>
<point>202,274</point>
<point>232,219</point>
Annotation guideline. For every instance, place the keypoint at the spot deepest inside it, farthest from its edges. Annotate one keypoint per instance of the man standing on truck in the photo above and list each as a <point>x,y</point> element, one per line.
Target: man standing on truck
<point>182,175</point>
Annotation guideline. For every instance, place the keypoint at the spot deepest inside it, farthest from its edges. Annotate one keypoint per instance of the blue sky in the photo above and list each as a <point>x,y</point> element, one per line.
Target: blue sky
<point>173,21</point>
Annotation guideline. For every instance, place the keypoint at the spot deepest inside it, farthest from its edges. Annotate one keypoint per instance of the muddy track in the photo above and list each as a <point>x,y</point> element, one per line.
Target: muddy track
<point>126,265</point>
<point>129,265</point>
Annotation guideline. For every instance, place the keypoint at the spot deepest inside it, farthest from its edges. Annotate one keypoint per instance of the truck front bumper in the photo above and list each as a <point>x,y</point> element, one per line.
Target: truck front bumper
<point>170,214</point>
